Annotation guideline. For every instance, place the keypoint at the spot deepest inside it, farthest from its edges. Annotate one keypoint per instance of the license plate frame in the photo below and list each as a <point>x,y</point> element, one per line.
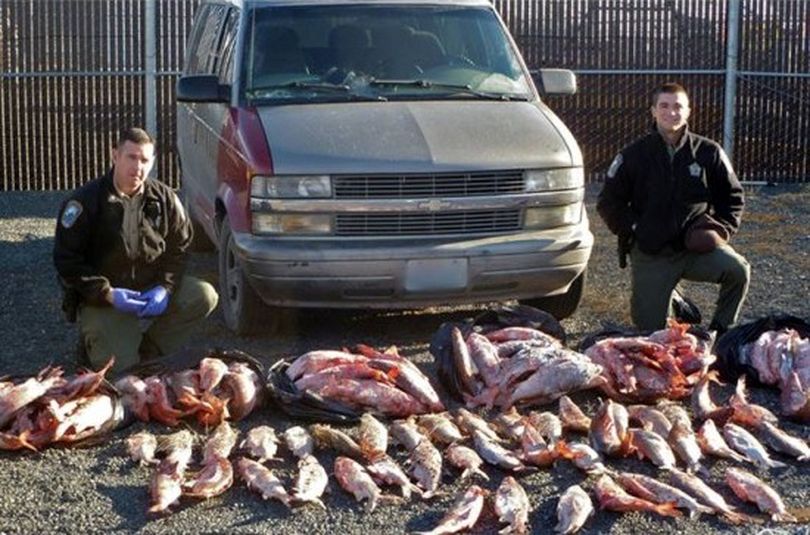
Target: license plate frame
<point>431,275</point>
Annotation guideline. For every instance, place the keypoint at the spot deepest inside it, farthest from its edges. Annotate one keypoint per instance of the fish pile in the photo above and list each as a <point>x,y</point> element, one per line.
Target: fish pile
<point>517,366</point>
<point>53,408</point>
<point>782,358</point>
<point>211,392</point>
<point>644,369</point>
<point>383,382</point>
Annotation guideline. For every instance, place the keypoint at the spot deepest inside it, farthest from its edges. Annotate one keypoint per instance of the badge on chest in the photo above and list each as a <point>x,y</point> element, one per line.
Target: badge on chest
<point>695,170</point>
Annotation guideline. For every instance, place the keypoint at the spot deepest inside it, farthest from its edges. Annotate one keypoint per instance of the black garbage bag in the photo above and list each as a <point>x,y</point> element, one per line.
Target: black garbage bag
<point>733,359</point>
<point>684,309</point>
<point>302,404</point>
<point>441,344</point>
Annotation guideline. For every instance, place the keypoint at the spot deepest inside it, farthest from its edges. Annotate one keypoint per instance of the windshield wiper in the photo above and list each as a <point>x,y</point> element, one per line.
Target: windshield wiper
<point>321,86</point>
<point>456,88</point>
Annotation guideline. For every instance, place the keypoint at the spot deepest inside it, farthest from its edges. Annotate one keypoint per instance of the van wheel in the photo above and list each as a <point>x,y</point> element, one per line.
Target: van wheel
<point>563,305</point>
<point>201,243</point>
<point>241,306</point>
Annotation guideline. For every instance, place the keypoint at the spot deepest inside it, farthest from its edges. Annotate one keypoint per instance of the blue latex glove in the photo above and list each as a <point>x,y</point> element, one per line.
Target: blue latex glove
<point>127,301</point>
<point>157,299</point>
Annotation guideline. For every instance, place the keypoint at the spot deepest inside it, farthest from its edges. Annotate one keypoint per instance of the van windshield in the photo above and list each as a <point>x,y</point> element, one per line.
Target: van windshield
<point>338,52</point>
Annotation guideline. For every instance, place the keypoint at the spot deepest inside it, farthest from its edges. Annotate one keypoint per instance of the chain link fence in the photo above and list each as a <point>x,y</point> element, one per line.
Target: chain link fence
<point>73,73</point>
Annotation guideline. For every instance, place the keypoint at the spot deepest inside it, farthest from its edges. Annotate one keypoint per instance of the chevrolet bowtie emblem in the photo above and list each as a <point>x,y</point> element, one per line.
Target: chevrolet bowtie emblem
<point>433,205</point>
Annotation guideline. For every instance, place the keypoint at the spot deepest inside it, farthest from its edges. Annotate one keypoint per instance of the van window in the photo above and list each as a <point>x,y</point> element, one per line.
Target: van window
<point>327,52</point>
<point>204,54</point>
<point>227,47</point>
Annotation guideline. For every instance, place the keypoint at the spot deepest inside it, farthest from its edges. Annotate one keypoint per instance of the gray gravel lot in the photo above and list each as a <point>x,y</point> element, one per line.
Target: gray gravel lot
<point>97,489</point>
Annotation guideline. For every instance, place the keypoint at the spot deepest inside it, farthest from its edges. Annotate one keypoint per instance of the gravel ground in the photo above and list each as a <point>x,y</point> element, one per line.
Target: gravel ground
<point>98,489</point>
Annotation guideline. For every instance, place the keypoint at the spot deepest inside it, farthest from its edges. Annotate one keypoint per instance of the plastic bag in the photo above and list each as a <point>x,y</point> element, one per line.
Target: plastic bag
<point>733,359</point>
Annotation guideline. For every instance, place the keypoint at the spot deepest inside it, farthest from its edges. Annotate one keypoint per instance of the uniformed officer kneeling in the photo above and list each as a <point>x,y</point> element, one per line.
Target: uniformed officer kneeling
<point>120,252</point>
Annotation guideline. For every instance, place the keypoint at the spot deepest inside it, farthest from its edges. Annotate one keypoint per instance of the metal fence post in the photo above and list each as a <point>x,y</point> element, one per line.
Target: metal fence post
<point>732,54</point>
<point>150,67</point>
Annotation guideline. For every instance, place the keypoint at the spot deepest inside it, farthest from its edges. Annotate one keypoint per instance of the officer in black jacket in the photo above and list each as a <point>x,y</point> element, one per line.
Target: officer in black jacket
<point>120,252</point>
<point>673,200</point>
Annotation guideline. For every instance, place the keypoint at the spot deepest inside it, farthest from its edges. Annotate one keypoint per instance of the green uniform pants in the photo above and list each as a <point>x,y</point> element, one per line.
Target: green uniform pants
<point>107,332</point>
<point>655,277</point>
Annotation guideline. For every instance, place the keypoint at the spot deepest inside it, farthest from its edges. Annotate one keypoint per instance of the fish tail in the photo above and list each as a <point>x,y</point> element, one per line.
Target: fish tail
<point>784,517</point>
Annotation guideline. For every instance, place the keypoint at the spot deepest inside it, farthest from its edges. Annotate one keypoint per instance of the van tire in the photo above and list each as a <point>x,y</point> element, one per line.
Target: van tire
<point>241,306</point>
<point>563,305</point>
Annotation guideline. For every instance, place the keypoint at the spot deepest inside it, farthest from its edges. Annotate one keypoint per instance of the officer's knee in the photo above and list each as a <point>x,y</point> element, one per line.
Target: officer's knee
<point>739,272</point>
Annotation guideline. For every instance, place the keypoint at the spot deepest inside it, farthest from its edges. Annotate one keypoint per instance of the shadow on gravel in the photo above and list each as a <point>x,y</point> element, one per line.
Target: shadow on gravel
<point>130,504</point>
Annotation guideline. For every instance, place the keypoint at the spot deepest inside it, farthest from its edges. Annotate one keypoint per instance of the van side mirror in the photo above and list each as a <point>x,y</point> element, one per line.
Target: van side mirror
<point>556,81</point>
<point>202,88</point>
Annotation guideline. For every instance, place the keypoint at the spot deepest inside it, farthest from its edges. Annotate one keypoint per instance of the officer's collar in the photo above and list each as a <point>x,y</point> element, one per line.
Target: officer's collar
<point>681,142</point>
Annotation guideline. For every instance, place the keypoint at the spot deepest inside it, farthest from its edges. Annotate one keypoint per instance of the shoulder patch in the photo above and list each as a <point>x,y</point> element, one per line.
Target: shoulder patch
<point>615,165</point>
<point>73,209</point>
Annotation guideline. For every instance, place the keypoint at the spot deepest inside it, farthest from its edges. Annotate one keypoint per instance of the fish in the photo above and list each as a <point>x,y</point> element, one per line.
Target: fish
<point>782,442</point>
<point>261,443</point>
<point>298,441</point>
<point>83,384</point>
<point>212,371</point>
<point>90,415</point>
<point>465,458</point>
<point>651,446</point>
<point>141,447</point>
<point>12,442</point>
<point>18,396</point>
<point>584,457</point>
<point>497,455</point>
<point>178,450</point>
<point>160,407</point>
<point>355,480</point>
<point>510,423</point>
<point>548,425</point>
<point>746,444</point>
<point>572,416</point>
<point>612,497</point>
<point>215,478</point>
<point>185,385</point>
<point>675,412</point>
<point>650,419</point>
<point>261,479</point>
<point>746,413</point>
<point>702,405</point>
<point>794,397</point>
<point>406,433</point>
<point>573,510</point>
<point>712,443</point>
<point>485,356</point>
<point>406,375</point>
<point>426,467</point>
<point>373,440</point>
<point>315,361</point>
<point>133,394</point>
<point>310,482</point>
<point>512,506</point>
<point>352,370</point>
<point>386,471</point>
<point>245,387</point>
<point>165,489</point>
<point>469,422</point>
<point>439,428</point>
<point>464,365</point>
<point>508,334</point>
<point>655,491</point>
<point>329,437</point>
<point>462,515</point>
<point>707,496</point>
<point>750,488</point>
<point>220,443</point>
<point>609,428</point>
<point>369,394</point>
<point>685,445</point>
<point>558,377</point>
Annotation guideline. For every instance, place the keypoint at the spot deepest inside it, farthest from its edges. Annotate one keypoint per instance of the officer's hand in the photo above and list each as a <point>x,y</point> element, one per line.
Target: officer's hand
<point>126,300</point>
<point>157,299</point>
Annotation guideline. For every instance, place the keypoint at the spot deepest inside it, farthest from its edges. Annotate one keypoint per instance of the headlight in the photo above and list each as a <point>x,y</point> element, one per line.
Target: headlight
<point>291,223</point>
<point>552,216</point>
<point>291,187</point>
<point>551,179</point>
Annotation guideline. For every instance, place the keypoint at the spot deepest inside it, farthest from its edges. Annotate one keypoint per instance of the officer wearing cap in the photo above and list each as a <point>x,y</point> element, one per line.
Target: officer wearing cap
<point>674,201</point>
<point>120,252</point>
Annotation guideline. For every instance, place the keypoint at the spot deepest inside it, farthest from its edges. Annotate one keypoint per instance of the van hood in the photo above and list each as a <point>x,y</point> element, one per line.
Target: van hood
<point>416,137</point>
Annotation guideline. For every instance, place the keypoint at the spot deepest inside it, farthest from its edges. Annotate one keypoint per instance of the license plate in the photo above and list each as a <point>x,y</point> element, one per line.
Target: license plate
<point>436,274</point>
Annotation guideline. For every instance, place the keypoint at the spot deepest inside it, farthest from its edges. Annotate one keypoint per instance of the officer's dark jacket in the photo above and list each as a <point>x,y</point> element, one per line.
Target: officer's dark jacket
<point>91,254</point>
<point>661,197</point>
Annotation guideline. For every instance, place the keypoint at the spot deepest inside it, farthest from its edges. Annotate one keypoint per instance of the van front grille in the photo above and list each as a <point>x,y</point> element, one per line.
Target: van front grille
<point>422,224</point>
<point>472,184</point>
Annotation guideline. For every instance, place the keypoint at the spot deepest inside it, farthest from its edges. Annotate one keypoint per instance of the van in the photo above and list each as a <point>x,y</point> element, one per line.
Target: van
<point>377,154</point>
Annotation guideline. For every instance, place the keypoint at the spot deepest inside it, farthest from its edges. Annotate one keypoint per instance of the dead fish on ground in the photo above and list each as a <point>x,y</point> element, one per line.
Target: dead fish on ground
<point>512,506</point>
<point>141,447</point>
<point>462,515</point>
<point>573,510</point>
<point>261,443</point>
<point>750,488</point>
